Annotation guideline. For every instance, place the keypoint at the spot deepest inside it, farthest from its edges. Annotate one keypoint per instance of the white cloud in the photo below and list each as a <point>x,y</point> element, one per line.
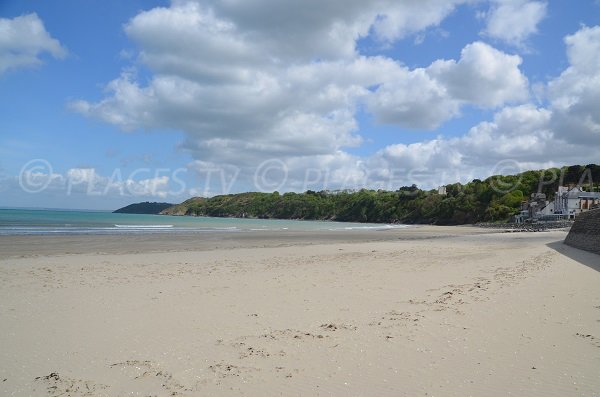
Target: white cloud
<point>483,76</point>
<point>245,89</point>
<point>425,98</point>
<point>23,39</point>
<point>583,49</point>
<point>406,17</point>
<point>87,188</point>
<point>87,181</point>
<point>575,94</point>
<point>521,133</point>
<point>413,99</point>
<point>567,131</point>
<point>262,69</point>
<point>221,88</point>
<point>513,21</point>
<point>304,30</point>
<point>434,154</point>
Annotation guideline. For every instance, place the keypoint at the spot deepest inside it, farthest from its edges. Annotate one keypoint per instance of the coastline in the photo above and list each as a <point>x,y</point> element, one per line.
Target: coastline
<point>426,310</point>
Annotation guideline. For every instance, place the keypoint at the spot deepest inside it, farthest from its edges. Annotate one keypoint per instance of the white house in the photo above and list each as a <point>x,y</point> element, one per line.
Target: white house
<point>570,202</point>
<point>537,207</point>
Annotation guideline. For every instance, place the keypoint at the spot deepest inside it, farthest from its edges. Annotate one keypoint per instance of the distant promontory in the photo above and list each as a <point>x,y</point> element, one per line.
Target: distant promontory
<point>144,208</point>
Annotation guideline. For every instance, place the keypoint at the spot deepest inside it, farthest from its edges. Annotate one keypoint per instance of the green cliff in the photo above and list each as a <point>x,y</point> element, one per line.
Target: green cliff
<point>494,199</point>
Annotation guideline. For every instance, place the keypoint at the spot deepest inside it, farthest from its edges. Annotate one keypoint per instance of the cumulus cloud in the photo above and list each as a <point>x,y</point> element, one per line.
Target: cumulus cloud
<point>567,131</point>
<point>483,76</point>
<point>426,97</point>
<point>433,154</point>
<point>413,99</point>
<point>303,30</point>
<point>88,188</point>
<point>246,85</point>
<point>524,136</point>
<point>242,88</point>
<point>87,181</point>
<point>521,133</point>
<point>575,94</point>
<point>23,39</point>
<point>513,21</point>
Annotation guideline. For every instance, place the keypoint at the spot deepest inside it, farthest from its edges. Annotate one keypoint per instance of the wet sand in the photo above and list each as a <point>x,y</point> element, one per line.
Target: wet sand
<point>18,246</point>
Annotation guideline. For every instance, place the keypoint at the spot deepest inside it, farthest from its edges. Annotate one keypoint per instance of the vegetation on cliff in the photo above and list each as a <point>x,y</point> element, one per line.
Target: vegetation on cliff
<point>143,208</point>
<point>494,199</point>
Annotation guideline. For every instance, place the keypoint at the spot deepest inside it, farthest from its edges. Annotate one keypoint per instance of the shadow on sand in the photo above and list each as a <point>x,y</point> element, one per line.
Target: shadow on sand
<point>585,258</point>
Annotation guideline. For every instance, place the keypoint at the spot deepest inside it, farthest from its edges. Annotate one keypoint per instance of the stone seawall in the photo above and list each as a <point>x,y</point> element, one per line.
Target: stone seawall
<point>585,232</point>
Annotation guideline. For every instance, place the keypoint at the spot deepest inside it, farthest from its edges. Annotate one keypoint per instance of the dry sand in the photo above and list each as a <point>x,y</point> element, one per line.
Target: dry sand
<point>426,311</point>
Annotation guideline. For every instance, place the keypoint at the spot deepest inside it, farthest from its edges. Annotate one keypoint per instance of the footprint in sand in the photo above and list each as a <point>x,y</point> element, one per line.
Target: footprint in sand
<point>591,338</point>
<point>151,373</point>
<point>223,371</point>
<point>335,327</point>
<point>58,385</point>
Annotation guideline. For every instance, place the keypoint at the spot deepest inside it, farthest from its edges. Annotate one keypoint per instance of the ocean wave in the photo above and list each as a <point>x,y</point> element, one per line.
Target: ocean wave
<point>144,226</point>
<point>375,227</point>
<point>114,230</point>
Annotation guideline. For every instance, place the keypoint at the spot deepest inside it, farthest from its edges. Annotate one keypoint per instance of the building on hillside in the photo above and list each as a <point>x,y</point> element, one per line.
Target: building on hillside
<point>536,208</point>
<point>568,203</point>
<point>442,190</point>
<point>571,201</point>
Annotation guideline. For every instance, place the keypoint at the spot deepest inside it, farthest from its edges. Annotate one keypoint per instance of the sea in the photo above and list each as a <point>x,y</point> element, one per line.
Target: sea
<point>74,222</point>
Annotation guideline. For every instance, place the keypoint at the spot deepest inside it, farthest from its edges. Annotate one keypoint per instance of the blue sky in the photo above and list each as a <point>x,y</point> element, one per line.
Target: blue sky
<point>158,100</point>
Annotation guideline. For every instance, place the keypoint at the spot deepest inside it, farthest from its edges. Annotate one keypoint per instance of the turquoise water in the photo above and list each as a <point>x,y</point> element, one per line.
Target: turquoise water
<point>24,222</point>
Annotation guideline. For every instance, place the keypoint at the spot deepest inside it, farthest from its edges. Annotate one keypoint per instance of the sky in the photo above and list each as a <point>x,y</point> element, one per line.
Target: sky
<point>105,103</point>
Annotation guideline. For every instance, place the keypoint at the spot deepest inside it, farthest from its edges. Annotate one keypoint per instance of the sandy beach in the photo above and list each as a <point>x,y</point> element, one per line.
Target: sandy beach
<point>426,311</point>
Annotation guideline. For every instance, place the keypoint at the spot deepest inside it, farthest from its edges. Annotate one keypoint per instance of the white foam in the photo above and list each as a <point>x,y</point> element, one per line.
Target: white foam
<point>144,226</point>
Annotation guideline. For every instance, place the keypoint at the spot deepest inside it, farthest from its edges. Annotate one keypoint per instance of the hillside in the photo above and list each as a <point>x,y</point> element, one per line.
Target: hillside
<point>184,208</point>
<point>143,208</point>
<point>476,201</point>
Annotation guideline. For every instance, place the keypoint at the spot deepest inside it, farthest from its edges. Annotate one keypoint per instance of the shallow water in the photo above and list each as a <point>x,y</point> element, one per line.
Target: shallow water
<point>27,221</point>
